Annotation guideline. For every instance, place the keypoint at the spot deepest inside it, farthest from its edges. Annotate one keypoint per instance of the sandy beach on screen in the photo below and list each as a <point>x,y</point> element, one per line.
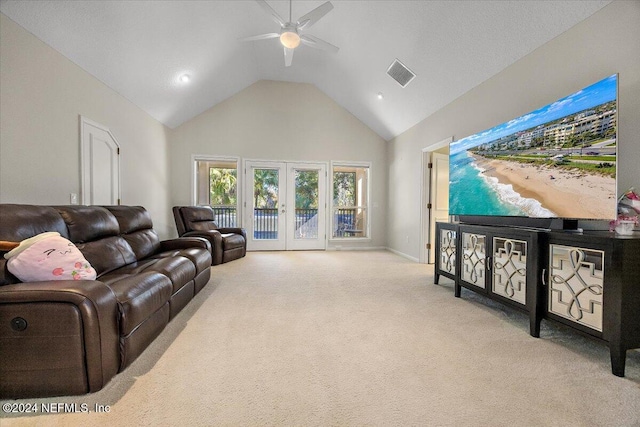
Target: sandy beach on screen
<point>570,193</point>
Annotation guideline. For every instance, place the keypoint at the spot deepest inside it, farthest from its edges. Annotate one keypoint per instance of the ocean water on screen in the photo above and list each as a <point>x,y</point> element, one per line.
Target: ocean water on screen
<point>472,193</point>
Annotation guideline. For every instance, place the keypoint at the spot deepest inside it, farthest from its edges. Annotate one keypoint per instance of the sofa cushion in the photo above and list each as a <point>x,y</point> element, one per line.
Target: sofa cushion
<point>20,222</point>
<point>131,218</point>
<point>198,218</point>
<point>139,296</point>
<point>107,254</point>
<point>143,243</point>
<point>88,223</point>
<point>178,269</point>
<point>199,257</point>
<point>137,229</point>
<point>232,241</point>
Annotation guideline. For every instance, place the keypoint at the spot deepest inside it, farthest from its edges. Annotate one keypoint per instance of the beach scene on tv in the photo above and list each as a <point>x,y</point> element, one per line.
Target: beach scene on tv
<point>557,161</point>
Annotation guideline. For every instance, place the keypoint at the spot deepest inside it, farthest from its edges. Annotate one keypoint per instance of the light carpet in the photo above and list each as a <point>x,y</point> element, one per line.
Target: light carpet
<point>351,339</point>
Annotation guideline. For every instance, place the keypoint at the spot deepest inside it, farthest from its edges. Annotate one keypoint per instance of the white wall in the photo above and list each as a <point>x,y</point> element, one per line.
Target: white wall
<point>606,43</point>
<point>273,120</point>
<point>42,94</point>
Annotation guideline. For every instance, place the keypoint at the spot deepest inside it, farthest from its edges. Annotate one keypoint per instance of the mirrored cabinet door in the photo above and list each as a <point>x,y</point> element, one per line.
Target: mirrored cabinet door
<point>509,269</point>
<point>474,254</point>
<point>576,279</point>
<point>447,242</point>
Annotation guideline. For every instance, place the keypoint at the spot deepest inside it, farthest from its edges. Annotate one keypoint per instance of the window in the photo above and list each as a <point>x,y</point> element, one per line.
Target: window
<point>350,200</point>
<point>217,186</point>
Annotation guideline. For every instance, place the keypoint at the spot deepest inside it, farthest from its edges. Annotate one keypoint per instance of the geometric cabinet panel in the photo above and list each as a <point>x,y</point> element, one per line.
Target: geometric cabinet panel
<point>447,242</point>
<point>474,253</point>
<point>510,269</point>
<point>576,279</point>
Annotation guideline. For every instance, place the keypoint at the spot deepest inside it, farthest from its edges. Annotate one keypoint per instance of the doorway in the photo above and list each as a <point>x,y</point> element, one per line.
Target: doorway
<point>285,205</point>
<point>435,196</point>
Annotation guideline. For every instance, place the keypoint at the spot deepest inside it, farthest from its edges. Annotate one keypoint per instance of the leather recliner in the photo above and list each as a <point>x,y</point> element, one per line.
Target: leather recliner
<point>71,337</point>
<point>227,243</point>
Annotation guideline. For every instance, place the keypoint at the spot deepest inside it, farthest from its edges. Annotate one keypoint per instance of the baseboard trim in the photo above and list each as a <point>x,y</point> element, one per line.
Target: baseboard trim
<point>403,255</point>
<point>356,248</point>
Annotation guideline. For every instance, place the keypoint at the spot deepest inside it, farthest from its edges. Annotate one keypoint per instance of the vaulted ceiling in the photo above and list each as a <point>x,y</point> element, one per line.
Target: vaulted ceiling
<point>140,48</point>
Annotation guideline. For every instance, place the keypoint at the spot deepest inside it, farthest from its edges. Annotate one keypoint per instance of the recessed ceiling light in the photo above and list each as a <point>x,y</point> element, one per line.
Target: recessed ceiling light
<point>185,78</point>
<point>380,95</point>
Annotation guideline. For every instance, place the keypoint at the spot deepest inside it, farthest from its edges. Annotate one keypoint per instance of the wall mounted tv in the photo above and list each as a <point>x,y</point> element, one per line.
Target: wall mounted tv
<point>558,161</point>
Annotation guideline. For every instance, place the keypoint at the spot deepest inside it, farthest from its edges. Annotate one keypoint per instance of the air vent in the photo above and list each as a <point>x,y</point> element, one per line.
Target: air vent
<point>400,73</point>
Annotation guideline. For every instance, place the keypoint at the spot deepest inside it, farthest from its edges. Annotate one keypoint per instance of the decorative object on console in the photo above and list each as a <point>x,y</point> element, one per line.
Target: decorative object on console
<point>628,210</point>
<point>629,202</point>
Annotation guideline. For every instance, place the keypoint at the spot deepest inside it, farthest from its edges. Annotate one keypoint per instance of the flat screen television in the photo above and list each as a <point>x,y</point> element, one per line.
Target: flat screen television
<point>557,162</point>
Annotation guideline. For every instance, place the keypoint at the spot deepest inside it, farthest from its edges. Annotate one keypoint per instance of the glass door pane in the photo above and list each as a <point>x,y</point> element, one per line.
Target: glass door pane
<point>306,201</point>
<point>266,183</point>
<point>306,195</point>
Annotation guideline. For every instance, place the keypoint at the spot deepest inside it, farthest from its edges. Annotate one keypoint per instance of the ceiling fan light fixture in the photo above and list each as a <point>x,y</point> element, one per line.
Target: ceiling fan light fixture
<point>290,39</point>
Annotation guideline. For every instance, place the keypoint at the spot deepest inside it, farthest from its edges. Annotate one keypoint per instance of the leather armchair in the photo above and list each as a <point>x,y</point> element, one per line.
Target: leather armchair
<point>227,243</point>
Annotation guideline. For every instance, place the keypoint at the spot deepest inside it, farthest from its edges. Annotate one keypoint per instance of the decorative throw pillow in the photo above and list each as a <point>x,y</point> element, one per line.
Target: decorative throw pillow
<point>48,256</point>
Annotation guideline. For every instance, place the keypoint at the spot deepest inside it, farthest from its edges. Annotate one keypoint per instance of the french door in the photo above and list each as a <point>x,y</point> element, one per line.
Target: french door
<point>285,205</point>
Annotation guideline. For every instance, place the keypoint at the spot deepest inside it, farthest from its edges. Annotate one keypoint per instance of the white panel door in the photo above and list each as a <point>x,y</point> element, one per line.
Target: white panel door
<point>439,196</point>
<point>100,164</point>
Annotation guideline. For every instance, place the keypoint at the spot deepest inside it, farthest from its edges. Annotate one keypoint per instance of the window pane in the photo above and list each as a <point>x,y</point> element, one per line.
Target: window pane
<point>350,201</point>
<point>217,183</point>
<point>344,188</point>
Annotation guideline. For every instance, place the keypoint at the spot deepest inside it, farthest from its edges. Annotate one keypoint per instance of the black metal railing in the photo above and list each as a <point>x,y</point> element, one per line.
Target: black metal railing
<point>265,223</point>
<point>306,223</point>
<point>225,216</point>
<point>345,223</point>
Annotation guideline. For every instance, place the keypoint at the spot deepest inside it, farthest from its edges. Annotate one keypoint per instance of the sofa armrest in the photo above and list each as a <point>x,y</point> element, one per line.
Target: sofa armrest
<point>215,238</point>
<point>185,242</point>
<point>234,230</point>
<point>34,352</point>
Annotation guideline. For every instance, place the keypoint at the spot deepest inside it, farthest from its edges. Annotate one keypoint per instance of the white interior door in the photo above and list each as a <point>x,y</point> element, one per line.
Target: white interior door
<point>100,164</point>
<point>439,197</point>
<point>285,205</point>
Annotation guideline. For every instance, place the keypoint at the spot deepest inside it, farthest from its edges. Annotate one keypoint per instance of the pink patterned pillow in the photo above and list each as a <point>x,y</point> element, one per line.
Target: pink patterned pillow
<point>48,256</point>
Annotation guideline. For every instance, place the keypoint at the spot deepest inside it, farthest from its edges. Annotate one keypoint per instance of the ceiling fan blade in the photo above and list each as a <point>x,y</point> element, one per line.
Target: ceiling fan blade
<point>260,37</point>
<point>312,17</point>
<point>317,43</point>
<point>274,15</point>
<point>288,56</point>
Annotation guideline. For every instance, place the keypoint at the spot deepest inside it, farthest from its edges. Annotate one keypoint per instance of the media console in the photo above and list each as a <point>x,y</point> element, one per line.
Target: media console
<point>588,281</point>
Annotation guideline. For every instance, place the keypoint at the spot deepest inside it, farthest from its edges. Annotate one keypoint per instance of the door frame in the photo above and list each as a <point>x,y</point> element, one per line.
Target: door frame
<point>425,190</point>
<point>247,216</point>
<point>85,195</point>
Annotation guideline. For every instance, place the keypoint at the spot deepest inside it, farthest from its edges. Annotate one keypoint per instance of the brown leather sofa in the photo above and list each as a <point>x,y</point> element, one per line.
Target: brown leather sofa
<point>71,337</point>
<point>227,243</point>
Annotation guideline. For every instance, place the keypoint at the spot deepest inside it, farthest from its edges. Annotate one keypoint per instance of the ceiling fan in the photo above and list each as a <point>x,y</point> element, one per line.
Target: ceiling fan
<point>291,33</point>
